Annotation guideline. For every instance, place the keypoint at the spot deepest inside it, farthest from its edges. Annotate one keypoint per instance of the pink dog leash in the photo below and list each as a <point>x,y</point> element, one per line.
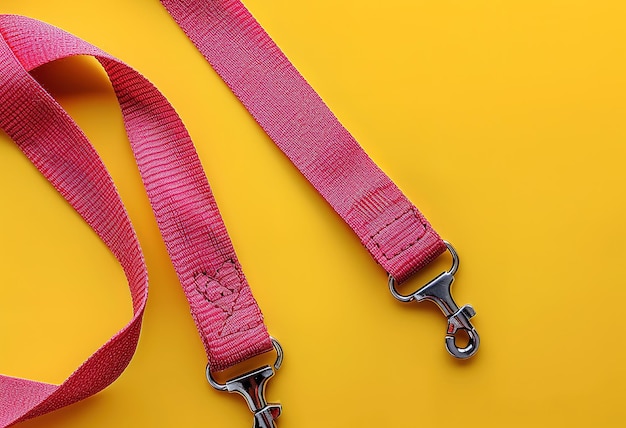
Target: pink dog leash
<point>226,315</point>
<point>229,321</point>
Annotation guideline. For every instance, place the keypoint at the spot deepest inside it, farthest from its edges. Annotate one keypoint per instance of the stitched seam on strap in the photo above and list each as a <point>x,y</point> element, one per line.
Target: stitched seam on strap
<point>229,310</point>
<point>407,247</point>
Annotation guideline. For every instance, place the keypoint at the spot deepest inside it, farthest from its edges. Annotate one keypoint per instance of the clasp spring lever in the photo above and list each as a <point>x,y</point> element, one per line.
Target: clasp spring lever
<point>438,291</point>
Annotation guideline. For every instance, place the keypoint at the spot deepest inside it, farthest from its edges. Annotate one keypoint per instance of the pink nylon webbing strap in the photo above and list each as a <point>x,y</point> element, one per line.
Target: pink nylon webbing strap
<point>226,315</point>
<point>295,117</point>
<point>62,153</point>
<point>393,230</point>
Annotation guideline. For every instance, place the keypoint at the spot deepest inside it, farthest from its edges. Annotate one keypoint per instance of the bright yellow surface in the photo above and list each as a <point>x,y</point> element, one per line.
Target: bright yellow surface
<point>504,121</point>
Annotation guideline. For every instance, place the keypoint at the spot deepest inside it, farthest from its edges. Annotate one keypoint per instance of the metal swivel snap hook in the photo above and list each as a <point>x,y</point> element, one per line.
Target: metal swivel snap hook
<point>251,386</point>
<point>438,291</point>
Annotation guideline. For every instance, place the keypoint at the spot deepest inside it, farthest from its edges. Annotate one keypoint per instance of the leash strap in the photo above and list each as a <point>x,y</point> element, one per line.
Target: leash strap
<point>294,116</point>
<point>226,315</point>
<point>396,234</point>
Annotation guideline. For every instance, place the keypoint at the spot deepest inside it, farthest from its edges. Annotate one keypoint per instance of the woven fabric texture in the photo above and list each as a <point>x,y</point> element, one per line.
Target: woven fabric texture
<point>294,116</point>
<point>227,316</point>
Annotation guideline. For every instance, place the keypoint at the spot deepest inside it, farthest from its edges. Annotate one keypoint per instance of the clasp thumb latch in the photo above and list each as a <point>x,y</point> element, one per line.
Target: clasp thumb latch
<point>460,320</point>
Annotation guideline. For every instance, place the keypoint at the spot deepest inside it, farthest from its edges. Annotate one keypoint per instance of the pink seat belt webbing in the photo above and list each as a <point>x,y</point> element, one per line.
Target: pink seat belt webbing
<point>228,319</point>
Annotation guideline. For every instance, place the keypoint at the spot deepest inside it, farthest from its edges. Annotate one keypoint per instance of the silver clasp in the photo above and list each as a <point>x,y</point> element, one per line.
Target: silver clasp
<point>251,386</point>
<point>438,291</point>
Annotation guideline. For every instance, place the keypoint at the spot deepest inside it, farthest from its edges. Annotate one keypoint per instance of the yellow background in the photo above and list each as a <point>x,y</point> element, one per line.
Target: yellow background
<point>503,121</point>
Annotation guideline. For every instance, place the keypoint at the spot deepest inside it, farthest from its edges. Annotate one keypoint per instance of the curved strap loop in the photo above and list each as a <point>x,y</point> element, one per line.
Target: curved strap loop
<point>57,147</point>
<point>226,315</point>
